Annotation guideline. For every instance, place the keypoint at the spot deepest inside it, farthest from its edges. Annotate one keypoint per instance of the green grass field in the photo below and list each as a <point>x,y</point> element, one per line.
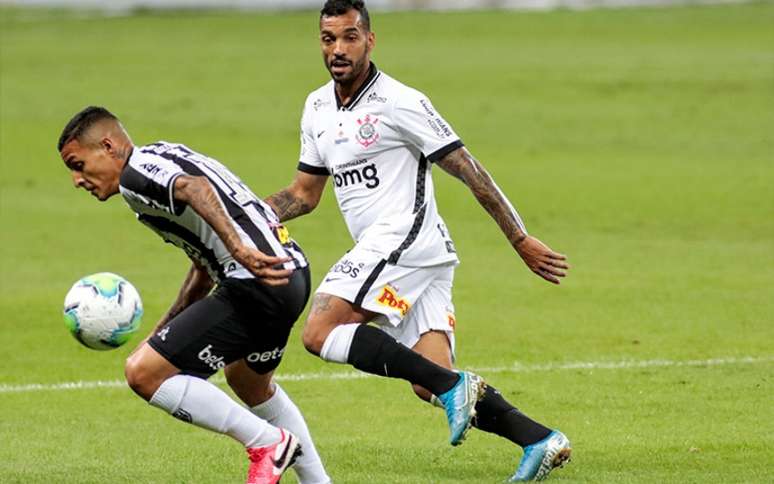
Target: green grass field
<point>639,142</point>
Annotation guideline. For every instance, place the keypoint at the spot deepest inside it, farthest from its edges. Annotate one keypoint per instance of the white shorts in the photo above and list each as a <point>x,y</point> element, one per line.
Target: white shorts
<point>410,301</point>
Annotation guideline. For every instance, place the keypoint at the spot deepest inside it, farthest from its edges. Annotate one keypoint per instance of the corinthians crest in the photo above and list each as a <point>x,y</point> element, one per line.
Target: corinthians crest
<point>366,134</point>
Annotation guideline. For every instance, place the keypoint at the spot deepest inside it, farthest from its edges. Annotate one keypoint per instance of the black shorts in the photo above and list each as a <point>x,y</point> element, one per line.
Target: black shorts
<point>242,318</point>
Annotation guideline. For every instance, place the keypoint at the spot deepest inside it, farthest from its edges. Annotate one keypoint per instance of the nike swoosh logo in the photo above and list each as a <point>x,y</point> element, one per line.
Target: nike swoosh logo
<point>320,134</point>
<point>279,463</point>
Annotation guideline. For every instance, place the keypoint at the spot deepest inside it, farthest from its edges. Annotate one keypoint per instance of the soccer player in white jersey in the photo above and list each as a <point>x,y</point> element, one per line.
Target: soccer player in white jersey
<point>378,139</point>
<point>234,241</point>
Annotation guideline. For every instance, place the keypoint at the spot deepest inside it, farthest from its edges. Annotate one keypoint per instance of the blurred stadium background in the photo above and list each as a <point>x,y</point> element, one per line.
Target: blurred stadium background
<point>375,5</point>
<point>638,141</point>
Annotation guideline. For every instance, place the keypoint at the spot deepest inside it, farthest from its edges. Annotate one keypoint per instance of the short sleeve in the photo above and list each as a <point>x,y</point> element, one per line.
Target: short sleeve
<point>424,127</point>
<point>310,160</point>
<point>153,179</point>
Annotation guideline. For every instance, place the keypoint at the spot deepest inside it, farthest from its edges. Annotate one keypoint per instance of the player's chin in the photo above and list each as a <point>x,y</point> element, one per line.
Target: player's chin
<point>341,74</point>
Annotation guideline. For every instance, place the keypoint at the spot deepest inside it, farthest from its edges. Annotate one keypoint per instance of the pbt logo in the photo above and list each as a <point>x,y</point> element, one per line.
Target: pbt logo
<point>213,361</point>
<point>266,355</point>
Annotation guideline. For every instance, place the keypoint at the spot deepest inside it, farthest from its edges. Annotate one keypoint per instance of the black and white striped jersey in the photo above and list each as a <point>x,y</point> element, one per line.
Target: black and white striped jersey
<point>147,184</point>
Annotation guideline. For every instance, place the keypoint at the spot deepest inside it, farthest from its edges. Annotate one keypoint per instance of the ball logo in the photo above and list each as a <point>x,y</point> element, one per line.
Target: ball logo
<point>389,297</point>
<point>367,134</point>
<point>276,353</point>
<point>213,361</point>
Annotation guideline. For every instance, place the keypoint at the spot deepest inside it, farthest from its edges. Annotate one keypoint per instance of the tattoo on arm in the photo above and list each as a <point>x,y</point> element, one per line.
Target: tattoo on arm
<point>199,194</point>
<point>287,205</point>
<point>321,303</point>
<point>196,286</point>
<point>462,165</point>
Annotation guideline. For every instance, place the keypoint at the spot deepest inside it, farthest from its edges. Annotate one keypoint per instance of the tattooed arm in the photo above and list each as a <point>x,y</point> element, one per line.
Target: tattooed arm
<point>196,286</point>
<point>539,258</point>
<point>198,193</point>
<point>300,198</point>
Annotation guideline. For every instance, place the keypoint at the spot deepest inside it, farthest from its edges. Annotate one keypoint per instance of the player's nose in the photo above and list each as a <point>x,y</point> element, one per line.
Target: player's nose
<point>338,48</point>
<point>77,179</point>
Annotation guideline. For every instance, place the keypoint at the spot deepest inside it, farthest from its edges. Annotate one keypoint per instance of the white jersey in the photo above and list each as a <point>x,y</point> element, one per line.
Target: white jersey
<point>147,185</point>
<point>379,149</point>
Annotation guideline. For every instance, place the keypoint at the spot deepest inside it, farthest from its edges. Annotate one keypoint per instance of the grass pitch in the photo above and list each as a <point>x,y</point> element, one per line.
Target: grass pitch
<point>639,142</point>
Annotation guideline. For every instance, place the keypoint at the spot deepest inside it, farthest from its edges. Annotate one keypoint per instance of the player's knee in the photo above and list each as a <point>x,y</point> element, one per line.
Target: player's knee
<point>140,377</point>
<point>313,338</point>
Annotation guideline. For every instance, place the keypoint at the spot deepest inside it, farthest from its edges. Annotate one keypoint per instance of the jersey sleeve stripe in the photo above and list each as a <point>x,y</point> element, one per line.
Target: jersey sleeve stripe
<point>438,154</point>
<point>313,170</point>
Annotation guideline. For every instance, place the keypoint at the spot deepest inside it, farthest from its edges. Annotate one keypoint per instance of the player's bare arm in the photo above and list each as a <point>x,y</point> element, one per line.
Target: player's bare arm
<point>197,285</point>
<point>300,198</point>
<point>199,194</point>
<point>541,260</point>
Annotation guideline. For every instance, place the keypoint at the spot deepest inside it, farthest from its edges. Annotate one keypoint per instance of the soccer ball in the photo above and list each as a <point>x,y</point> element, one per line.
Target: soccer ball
<point>102,311</point>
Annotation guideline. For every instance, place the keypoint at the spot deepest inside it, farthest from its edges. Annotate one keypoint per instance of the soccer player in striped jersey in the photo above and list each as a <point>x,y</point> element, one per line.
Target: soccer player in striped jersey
<point>261,283</point>
<point>378,139</point>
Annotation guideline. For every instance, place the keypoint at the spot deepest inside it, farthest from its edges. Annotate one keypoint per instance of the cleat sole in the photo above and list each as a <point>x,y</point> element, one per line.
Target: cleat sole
<point>561,458</point>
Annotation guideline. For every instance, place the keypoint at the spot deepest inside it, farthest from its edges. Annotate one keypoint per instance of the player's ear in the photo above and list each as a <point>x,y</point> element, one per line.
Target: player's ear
<point>108,145</point>
<point>371,41</point>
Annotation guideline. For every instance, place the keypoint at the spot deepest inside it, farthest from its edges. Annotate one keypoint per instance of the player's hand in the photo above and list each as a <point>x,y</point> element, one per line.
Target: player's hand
<point>263,266</point>
<point>542,260</point>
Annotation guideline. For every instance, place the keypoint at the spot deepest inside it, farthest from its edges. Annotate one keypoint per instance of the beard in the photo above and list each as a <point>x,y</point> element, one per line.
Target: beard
<point>349,75</point>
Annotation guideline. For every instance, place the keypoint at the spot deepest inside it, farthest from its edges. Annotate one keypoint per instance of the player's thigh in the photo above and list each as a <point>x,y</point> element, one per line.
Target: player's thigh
<point>428,326</point>
<point>204,337</point>
<point>327,312</point>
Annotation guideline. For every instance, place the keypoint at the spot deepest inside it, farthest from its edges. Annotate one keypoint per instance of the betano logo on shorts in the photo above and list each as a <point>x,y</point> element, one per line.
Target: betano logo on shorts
<point>266,355</point>
<point>213,361</point>
<point>389,297</point>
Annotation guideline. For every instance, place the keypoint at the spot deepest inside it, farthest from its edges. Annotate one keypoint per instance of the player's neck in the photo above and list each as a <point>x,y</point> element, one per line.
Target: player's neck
<point>345,92</point>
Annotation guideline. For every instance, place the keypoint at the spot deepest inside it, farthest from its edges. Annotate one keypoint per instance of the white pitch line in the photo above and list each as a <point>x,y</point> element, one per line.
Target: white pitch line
<point>354,375</point>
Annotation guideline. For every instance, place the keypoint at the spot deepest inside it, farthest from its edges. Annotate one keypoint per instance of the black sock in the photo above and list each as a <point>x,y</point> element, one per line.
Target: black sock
<point>499,417</point>
<point>374,351</point>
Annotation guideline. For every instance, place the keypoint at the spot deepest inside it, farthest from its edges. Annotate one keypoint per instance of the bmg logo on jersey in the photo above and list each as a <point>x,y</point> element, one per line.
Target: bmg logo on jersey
<point>356,176</point>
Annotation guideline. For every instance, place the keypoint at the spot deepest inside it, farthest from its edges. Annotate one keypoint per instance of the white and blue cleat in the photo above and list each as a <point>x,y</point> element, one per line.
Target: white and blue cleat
<point>460,404</point>
<point>542,457</point>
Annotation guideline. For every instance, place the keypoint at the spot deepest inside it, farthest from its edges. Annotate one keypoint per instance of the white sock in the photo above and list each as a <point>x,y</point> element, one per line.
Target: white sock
<point>203,404</point>
<point>338,342</point>
<point>280,411</point>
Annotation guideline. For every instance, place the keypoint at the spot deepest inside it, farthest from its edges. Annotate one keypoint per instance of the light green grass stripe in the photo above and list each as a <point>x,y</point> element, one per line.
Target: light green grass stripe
<point>354,375</point>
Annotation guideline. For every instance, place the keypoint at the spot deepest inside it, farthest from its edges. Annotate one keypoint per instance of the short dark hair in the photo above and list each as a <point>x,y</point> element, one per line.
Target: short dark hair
<point>81,122</point>
<point>334,8</point>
